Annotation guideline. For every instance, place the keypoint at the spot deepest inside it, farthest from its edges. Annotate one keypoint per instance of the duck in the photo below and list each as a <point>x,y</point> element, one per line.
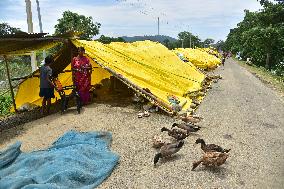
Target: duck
<point>191,119</point>
<point>195,101</point>
<point>214,77</point>
<point>210,147</point>
<point>158,142</point>
<point>211,159</point>
<point>168,150</point>
<point>188,127</point>
<point>175,133</point>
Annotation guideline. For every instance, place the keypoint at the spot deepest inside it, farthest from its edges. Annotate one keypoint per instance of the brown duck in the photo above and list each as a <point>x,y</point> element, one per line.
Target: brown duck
<point>187,127</point>
<point>175,133</point>
<point>168,150</point>
<point>158,142</point>
<point>191,119</point>
<point>210,147</point>
<point>211,159</point>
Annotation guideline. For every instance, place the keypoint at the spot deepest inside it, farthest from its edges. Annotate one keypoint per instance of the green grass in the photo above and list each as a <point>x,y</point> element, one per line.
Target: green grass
<point>277,82</point>
<point>5,104</point>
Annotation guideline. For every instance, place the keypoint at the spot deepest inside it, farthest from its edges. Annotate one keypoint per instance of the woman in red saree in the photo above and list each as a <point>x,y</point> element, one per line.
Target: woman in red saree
<point>82,71</point>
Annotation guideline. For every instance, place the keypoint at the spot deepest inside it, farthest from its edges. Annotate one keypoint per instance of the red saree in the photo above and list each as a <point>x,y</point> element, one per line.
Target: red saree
<point>82,77</point>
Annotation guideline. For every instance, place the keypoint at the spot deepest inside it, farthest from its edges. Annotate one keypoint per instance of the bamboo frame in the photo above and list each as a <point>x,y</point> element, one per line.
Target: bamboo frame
<point>10,83</point>
<point>52,39</point>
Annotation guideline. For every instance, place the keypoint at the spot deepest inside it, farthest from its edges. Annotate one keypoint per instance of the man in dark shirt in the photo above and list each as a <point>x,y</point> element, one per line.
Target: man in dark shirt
<point>46,85</point>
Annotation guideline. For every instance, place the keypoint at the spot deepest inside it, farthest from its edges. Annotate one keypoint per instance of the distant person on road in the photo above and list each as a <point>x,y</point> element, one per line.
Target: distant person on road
<point>224,58</point>
<point>229,54</point>
<point>46,85</point>
<point>82,72</point>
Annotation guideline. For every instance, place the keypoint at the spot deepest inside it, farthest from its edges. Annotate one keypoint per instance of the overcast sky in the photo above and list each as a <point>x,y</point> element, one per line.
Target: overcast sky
<point>205,18</point>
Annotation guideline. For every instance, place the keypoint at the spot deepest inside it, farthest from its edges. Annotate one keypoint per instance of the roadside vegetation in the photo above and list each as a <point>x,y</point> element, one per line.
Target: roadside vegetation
<point>274,80</point>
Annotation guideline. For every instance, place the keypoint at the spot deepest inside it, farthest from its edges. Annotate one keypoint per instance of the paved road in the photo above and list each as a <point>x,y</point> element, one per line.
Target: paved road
<point>248,117</point>
<point>239,112</point>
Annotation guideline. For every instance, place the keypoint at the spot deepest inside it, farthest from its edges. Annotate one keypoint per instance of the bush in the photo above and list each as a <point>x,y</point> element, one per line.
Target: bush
<point>279,69</point>
<point>5,104</point>
<point>18,67</point>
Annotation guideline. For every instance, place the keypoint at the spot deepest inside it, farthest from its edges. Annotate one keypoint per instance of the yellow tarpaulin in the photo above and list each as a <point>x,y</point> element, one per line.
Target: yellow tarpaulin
<point>146,64</point>
<point>28,91</point>
<point>199,58</point>
<point>211,51</point>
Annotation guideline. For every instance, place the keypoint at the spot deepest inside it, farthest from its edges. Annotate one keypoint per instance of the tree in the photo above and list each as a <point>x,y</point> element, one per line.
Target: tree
<point>166,42</point>
<point>262,41</point>
<point>107,40</point>
<point>188,37</point>
<point>207,42</point>
<point>220,45</point>
<point>260,35</point>
<point>80,23</point>
<point>7,29</point>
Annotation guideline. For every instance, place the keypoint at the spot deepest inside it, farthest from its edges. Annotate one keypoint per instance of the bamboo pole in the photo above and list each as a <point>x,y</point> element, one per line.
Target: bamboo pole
<point>71,61</point>
<point>10,84</point>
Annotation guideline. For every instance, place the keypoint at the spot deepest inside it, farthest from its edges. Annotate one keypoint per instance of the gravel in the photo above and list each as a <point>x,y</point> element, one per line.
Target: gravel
<point>239,112</point>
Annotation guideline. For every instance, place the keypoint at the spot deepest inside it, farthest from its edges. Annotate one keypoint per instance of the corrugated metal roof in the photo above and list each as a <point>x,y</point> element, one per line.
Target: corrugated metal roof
<point>23,35</point>
<point>23,43</point>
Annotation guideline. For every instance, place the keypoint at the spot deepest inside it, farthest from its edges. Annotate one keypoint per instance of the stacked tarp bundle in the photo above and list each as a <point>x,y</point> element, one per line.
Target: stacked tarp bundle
<point>199,58</point>
<point>211,51</point>
<point>150,66</point>
<point>76,160</point>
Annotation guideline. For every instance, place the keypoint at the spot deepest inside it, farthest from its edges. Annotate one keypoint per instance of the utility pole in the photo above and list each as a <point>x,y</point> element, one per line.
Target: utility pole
<point>182,43</point>
<point>189,36</point>
<point>158,26</point>
<point>30,30</point>
<point>40,24</point>
<point>190,40</point>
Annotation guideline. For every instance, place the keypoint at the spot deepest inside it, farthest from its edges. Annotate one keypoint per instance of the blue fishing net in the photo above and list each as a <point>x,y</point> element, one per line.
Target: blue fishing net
<point>75,160</point>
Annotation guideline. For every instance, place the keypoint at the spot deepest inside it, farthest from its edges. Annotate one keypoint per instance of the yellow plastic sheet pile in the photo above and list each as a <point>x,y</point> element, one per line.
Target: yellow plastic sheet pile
<point>211,51</point>
<point>199,58</point>
<point>148,65</point>
<point>145,64</point>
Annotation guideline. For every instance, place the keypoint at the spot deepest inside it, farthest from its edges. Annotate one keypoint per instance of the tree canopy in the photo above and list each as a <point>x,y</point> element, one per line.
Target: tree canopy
<point>107,40</point>
<point>7,29</point>
<point>207,42</point>
<point>188,37</point>
<point>260,35</point>
<point>80,23</point>
<point>219,45</point>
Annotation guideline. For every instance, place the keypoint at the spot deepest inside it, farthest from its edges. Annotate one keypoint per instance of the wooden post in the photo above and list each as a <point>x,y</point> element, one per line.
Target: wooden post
<point>10,84</point>
<point>71,59</point>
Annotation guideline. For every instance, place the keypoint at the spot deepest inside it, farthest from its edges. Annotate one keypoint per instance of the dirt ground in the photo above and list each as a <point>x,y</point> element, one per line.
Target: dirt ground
<point>239,112</point>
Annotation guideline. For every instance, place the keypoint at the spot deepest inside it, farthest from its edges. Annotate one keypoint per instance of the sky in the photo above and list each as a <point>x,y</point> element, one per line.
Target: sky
<point>205,18</point>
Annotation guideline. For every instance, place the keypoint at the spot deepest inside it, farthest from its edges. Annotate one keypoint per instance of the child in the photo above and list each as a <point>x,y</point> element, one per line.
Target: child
<point>46,85</point>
